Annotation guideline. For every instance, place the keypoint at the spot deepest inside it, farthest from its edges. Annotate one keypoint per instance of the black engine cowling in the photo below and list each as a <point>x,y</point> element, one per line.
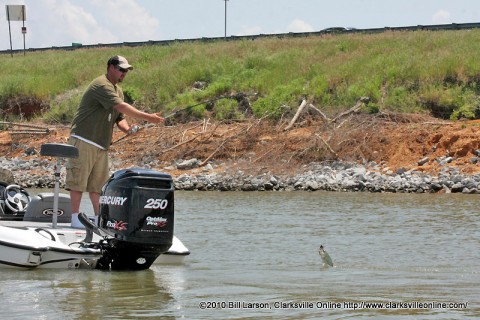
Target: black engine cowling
<point>137,211</point>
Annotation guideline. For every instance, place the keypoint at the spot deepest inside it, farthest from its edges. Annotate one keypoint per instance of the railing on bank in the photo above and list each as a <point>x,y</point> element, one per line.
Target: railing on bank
<point>336,30</point>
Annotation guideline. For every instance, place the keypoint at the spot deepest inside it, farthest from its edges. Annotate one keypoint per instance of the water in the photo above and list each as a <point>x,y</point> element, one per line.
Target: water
<point>256,255</point>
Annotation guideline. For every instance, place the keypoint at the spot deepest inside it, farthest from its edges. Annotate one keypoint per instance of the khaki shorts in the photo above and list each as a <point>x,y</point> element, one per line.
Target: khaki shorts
<point>88,172</point>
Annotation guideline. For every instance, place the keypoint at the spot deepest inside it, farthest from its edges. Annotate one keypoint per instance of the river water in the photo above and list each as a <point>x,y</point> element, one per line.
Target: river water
<point>255,254</point>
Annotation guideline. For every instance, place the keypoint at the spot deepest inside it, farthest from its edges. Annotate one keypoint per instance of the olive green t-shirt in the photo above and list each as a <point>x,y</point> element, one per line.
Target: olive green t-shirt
<point>96,116</point>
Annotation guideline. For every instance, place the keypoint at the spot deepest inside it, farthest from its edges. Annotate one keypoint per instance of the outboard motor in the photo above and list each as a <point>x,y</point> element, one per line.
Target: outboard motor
<point>137,211</point>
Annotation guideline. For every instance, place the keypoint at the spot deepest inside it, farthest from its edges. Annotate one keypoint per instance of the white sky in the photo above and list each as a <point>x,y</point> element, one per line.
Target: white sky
<point>62,22</point>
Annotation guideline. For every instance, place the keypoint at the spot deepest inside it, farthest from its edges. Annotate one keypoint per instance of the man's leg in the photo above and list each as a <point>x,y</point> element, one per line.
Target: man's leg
<point>78,170</point>
<point>75,199</point>
<point>95,199</point>
<point>98,176</point>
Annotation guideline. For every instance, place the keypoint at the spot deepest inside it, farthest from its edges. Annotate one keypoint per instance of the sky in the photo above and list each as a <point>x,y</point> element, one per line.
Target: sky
<point>56,23</point>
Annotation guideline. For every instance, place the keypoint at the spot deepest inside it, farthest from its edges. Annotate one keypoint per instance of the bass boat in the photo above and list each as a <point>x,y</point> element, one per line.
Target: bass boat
<point>135,226</point>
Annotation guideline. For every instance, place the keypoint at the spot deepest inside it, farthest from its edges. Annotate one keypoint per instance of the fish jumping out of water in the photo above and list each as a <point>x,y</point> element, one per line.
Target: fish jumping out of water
<point>325,256</point>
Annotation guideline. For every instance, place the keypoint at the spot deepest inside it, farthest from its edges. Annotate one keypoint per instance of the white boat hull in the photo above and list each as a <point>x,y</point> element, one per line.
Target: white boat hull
<point>175,255</point>
<point>40,252</point>
<point>28,248</point>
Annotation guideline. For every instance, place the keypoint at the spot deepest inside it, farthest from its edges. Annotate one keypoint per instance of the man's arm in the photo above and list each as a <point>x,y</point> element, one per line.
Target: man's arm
<point>133,112</point>
<point>123,125</point>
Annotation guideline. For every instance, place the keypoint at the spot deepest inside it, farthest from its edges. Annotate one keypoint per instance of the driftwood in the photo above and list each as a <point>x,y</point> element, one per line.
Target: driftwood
<point>30,128</point>
<point>353,109</point>
<point>295,117</point>
<point>324,116</point>
<point>182,143</point>
<point>28,132</point>
<point>302,106</point>
<point>204,162</point>
<point>20,124</point>
<point>334,122</point>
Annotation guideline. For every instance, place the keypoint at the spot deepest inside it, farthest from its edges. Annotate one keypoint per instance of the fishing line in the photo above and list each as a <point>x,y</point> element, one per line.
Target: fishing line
<point>239,97</point>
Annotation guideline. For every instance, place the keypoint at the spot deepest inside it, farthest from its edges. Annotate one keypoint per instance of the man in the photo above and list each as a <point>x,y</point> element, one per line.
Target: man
<point>101,107</point>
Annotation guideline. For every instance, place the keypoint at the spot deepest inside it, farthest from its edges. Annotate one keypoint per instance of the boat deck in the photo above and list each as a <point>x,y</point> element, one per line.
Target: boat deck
<point>64,231</point>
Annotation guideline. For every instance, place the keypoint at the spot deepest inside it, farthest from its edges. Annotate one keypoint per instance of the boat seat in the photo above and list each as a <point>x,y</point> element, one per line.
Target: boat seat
<point>59,150</point>
<point>40,208</point>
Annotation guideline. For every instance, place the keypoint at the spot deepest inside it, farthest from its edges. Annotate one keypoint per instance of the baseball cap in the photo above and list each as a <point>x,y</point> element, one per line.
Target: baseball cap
<point>119,61</point>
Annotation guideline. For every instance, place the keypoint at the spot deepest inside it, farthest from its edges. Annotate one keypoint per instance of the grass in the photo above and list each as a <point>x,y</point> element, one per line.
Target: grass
<point>413,71</point>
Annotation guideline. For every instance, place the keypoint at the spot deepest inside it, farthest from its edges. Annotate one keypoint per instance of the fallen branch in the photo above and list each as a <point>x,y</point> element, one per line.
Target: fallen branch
<point>324,116</point>
<point>204,162</point>
<point>196,126</point>
<point>205,140</point>
<point>353,109</point>
<point>182,143</point>
<point>206,122</point>
<point>28,132</point>
<point>295,117</point>
<point>265,153</point>
<point>327,145</point>
<point>211,134</point>
<point>19,124</point>
<point>255,124</point>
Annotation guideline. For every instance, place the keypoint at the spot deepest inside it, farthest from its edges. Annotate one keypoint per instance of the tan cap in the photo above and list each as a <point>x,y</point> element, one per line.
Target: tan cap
<point>119,61</point>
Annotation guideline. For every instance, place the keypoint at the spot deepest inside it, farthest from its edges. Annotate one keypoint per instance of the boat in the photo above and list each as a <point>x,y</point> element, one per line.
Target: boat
<point>135,227</point>
<point>29,247</point>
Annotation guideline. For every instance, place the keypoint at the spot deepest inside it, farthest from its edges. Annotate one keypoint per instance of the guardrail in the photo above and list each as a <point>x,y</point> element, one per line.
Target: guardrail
<point>336,30</point>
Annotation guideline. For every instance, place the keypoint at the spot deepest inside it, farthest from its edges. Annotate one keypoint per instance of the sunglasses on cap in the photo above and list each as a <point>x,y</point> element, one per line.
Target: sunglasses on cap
<point>122,70</point>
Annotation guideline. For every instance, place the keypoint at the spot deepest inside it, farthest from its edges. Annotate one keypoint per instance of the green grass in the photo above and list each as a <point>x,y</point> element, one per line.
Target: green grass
<point>412,71</point>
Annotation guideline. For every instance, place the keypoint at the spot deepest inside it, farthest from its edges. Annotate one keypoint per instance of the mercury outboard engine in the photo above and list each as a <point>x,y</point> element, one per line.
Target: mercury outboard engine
<point>137,211</point>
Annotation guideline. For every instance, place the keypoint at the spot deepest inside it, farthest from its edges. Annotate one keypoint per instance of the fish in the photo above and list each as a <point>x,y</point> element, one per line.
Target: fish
<point>325,256</point>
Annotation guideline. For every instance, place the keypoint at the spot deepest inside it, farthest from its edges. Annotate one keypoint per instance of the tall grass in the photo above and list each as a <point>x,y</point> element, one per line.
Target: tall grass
<point>419,71</point>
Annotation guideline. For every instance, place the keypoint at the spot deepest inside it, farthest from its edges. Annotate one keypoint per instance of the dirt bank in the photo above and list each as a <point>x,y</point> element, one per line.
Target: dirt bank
<point>258,146</point>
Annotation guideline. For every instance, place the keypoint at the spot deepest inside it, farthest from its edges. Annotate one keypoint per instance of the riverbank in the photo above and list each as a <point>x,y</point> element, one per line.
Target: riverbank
<point>410,153</point>
<point>334,176</point>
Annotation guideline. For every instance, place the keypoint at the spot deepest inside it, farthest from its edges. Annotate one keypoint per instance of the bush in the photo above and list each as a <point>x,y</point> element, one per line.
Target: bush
<point>131,95</point>
<point>63,107</point>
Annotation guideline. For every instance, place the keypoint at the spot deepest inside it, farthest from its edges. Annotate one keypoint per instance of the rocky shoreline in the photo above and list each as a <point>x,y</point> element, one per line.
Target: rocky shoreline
<point>335,176</point>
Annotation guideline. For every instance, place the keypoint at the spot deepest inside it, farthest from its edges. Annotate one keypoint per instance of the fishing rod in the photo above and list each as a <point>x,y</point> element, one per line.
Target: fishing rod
<point>134,129</point>
<point>239,97</point>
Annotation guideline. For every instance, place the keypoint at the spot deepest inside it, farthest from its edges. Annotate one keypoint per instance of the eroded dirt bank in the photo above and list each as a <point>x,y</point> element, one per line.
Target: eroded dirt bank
<point>395,142</point>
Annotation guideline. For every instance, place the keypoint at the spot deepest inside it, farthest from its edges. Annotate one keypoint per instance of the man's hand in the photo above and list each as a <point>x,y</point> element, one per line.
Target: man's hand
<point>155,118</point>
<point>133,112</point>
<point>133,129</point>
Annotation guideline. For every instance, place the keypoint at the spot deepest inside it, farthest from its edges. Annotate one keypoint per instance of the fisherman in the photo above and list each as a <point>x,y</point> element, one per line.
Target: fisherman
<point>102,106</point>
